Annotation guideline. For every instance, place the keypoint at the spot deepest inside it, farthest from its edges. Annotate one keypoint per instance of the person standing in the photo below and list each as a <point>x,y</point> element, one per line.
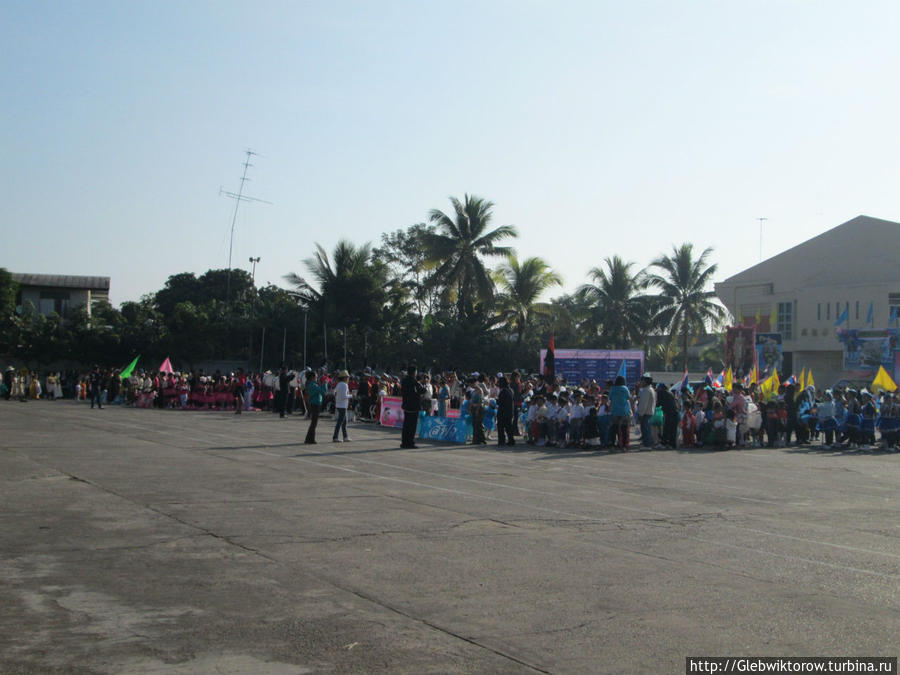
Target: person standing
<point>620,412</point>
<point>284,390</point>
<point>476,410</point>
<point>505,412</point>
<point>411,391</point>
<point>341,402</point>
<point>8,382</point>
<point>96,386</point>
<point>314,392</point>
<point>670,416</point>
<point>646,407</point>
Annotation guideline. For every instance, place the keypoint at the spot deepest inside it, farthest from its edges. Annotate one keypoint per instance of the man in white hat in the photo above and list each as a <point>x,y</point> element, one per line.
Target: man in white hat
<point>341,403</point>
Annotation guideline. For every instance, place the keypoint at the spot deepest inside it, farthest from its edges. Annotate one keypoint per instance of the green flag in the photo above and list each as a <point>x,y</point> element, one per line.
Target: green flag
<point>130,368</point>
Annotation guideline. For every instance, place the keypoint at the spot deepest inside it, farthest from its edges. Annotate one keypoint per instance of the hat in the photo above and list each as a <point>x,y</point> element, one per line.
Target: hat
<point>499,375</point>
<point>343,373</point>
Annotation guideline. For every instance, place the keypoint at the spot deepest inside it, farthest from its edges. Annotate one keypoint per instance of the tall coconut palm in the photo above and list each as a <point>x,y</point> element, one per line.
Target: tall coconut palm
<point>522,285</point>
<point>346,288</point>
<point>687,308</point>
<point>457,249</point>
<point>620,310</point>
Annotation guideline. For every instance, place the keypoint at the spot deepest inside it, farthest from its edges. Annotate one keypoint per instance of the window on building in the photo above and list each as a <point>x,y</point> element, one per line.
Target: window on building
<point>857,309</point>
<point>785,320</point>
<point>54,301</point>
<point>893,307</point>
<point>819,312</point>
<point>828,311</point>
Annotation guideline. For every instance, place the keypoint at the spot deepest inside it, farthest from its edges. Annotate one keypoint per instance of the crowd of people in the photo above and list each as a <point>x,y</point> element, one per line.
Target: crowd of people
<point>536,409</point>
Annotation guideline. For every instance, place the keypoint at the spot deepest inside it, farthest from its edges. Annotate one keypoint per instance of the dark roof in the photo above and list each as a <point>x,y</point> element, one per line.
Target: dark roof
<point>62,281</point>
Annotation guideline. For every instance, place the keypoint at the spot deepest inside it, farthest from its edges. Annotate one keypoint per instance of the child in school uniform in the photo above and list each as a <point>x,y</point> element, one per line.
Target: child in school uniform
<point>591,428</point>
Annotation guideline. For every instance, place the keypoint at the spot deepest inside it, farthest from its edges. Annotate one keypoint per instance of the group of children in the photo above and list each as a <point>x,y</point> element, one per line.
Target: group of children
<point>720,419</point>
<point>572,421</point>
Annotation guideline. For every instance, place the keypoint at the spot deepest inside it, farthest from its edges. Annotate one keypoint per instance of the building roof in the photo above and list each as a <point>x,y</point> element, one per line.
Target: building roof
<point>863,247</point>
<point>62,281</point>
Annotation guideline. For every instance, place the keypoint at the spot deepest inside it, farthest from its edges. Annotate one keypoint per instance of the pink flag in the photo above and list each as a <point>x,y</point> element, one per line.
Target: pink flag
<point>166,366</point>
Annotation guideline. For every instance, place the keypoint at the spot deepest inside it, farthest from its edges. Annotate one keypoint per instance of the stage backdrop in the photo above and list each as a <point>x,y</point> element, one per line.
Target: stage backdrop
<point>597,364</point>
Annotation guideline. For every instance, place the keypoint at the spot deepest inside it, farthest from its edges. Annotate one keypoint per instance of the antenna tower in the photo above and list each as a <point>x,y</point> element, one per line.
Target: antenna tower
<point>238,197</point>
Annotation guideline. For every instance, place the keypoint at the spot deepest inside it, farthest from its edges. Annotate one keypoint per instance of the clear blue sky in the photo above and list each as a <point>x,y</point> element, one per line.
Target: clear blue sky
<point>597,128</point>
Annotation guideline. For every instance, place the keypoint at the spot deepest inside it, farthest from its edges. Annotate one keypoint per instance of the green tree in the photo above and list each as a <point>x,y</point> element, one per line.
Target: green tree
<point>404,252</point>
<point>345,295</point>
<point>8,330</point>
<point>687,308</point>
<point>522,286</point>
<point>620,312</point>
<point>457,247</point>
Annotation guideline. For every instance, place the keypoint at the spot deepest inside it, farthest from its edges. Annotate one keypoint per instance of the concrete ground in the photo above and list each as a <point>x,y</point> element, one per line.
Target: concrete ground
<point>192,542</point>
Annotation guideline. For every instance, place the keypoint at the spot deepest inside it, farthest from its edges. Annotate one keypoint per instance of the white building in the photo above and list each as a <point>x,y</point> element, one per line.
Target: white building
<point>60,293</point>
<point>851,268</point>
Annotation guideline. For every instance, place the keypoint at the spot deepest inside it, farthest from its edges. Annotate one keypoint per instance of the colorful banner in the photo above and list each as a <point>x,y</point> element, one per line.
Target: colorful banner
<point>740,350</point>
<point>867,350</point>
<point>445,429</point>
<point>769,353</point>
<point>392,412</point>
<point>597,364</point>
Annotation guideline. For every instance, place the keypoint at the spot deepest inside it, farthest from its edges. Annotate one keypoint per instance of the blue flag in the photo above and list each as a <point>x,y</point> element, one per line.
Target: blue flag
<point>845,316</point>
<point>893,314</point>
<point>871,313</point>
<point>622,370</point>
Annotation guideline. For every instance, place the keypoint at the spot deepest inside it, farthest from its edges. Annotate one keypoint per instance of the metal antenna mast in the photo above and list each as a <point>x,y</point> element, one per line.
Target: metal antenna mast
<point>761,221</point>
<point>238,198</point>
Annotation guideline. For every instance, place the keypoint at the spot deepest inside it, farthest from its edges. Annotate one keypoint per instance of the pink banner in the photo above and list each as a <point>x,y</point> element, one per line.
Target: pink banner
<point>166,366</point>
<point>391,411</point>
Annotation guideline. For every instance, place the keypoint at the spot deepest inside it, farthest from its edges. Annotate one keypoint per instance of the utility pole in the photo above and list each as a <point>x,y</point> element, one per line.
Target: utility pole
<point>253,261</point>
<point>262,348</point>
<point>761,221</point>
<point>238,198</point>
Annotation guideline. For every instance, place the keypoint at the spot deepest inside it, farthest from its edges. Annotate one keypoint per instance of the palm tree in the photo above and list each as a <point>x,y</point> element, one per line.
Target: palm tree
<point>345,290</point>
<point>522,285</point>
<point>686,307</point>
<point>348,260</point>
<point>457,249</point>
<point>620,310</point>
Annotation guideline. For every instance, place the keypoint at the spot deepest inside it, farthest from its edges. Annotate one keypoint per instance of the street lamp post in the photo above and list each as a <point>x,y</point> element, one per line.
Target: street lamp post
<point>253,261</point>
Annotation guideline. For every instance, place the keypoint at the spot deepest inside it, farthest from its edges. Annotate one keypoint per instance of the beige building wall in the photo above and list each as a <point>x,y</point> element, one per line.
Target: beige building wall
<point>808,286</point>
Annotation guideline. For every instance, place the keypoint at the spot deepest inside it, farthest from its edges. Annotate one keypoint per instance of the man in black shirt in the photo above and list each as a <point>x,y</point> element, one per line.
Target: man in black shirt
<point>284,389</point>
<point>411,391</point>
<point>505,411</point>
<point>96,385</point>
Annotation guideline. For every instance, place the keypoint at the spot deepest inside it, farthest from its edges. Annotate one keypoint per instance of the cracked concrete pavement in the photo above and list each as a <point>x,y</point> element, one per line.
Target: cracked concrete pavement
<point>185,542</point>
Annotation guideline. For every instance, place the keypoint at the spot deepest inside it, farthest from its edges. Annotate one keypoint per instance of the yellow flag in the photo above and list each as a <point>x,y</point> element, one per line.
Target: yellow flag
<point>755,376</point>
<point>728,380</point>
<point>803,378</point>
<point>769,386</point>
<point>773,319</point>
<point>883,381</point>
<point>758,317</point>
<point>809,381</point>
